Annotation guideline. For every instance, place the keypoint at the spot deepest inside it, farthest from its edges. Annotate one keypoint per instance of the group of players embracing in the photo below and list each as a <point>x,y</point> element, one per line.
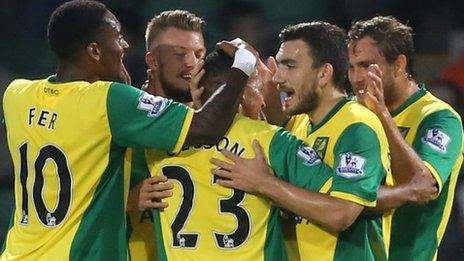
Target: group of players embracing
<point>328,151</point>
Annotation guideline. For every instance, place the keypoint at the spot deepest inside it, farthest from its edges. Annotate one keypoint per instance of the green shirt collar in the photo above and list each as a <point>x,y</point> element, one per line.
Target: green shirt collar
<point>412,99</point>
<point>329,115</point>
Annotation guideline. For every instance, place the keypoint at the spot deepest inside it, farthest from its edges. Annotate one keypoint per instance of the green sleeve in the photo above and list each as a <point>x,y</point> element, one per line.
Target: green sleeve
<point>139,169</point>
<point>140,120</point>
<point>358,169</point>
<point>439,142</point>
<point>292,160</point>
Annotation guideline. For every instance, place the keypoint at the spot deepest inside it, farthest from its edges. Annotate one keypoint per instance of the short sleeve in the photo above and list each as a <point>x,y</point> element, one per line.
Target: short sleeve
<point>140,120</point>
<point>439,143</point>
<point>139,168</point>
<point>358,169</point>
<point>292,160</point>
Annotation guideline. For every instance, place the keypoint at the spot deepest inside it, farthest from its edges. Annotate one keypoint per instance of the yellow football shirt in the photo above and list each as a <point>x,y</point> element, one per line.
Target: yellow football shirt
<point>205,221</point>
<point>67,142</point>
<point>351,141</point>
<point>434,130</point>
<point>140,231</point>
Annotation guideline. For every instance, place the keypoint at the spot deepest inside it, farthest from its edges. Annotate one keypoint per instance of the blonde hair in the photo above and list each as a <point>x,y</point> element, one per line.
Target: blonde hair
<point>180,19</point>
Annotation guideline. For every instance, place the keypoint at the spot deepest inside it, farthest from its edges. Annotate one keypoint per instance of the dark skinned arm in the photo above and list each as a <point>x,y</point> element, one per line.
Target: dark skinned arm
<point>211,121</point>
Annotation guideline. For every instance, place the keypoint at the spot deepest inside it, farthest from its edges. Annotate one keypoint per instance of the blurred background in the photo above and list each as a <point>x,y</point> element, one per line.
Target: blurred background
<point>439,42</point>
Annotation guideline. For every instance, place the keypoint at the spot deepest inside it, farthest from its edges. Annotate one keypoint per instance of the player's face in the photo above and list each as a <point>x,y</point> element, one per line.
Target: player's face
<point>363,53</point>
<point>296,77</point>
<point>112,46</point>
<point>176,53</point>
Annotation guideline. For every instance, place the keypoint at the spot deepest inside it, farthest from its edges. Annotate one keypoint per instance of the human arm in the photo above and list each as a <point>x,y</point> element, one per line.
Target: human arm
<point>405,163</point>
<point>138,119</point>
<point>420,190</point>
<point>252,175</point>
<point>417,164</point>
<point>212,120</point>
<point>273,110</point>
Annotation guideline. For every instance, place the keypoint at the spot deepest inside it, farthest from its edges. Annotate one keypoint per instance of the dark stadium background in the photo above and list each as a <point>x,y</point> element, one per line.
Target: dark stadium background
<point>439,41</point>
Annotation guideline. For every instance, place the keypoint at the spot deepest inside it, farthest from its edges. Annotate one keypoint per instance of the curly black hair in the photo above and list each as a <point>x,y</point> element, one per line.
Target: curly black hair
<point>73,25</point>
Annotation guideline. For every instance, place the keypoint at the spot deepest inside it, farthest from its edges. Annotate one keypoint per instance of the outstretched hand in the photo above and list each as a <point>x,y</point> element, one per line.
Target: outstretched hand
<point>244,174</point>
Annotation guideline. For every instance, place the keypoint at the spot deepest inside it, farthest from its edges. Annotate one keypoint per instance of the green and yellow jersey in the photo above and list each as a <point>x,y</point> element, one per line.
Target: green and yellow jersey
<point>351,141</point>
<point>67,142</point>
<point>434,130</point>
<point>141,235</point>
<point>205,221</point>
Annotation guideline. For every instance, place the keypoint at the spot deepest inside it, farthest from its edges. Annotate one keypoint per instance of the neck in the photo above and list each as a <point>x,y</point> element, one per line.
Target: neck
<point>399,93</point>
<point>75,71</point>
<point>157,89</point>
<point>330,96</point>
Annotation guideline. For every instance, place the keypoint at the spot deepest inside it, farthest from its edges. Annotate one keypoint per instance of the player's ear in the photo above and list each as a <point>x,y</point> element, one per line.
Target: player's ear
<point>94,51</point>
<point>325,74</point>
<point>400,65</point>
<point>150,59</point>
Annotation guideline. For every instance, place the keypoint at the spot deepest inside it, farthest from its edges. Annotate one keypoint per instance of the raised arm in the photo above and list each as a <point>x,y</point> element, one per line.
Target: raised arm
<point>405,163</point>
<point>212,120</point>
<point>273,110</point>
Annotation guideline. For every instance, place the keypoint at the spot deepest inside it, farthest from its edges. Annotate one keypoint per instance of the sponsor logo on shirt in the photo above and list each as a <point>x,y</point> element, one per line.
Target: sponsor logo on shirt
<point>153,104</point>
<point>436,139</point>
<point>309,155</point>
<point>351,165</point>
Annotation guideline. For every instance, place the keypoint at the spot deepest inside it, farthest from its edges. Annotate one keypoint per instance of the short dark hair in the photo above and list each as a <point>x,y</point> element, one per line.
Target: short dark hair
<point>393,38</point>
<point>327,44</point>
<point>73,25</point>
<point>180,19</point>
<point>217,67</point>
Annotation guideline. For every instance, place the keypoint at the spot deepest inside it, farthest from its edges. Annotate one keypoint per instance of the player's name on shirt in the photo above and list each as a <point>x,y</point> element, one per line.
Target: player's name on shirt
<point>42,118</point>
<point>224,143</point>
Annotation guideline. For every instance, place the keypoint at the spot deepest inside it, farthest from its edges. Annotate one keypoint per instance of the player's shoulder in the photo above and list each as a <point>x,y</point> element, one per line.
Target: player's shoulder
<point>355,113</point>
<point>298,119</point>
<point>245,124</point>
<point>19,85</point>
<point>430,104</point>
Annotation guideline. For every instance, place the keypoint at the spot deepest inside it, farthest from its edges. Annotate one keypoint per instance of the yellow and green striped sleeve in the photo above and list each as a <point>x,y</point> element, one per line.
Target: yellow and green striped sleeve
<point>140,120</point>
<point>358,169</point>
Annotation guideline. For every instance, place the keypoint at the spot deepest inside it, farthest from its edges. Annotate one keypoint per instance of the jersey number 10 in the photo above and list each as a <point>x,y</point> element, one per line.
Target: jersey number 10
<point>47,217</point>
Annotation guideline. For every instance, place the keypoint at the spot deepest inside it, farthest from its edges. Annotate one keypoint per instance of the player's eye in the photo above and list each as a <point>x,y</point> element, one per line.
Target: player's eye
<point>178,54</point>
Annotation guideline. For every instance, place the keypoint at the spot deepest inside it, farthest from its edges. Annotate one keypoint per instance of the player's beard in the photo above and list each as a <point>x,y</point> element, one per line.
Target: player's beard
<point>309,100</point>
<point>176,93</point>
